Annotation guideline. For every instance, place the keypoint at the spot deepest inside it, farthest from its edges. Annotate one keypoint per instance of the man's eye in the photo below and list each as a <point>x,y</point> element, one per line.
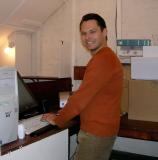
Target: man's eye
<point>92,31</point>
<point>83,34</point>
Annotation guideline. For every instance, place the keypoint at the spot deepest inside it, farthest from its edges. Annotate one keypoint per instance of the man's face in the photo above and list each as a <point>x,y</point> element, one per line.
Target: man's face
<point>93,38</point>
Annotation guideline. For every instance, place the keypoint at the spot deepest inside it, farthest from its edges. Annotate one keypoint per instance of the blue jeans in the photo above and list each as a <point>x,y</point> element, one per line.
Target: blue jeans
<point>91,147</point>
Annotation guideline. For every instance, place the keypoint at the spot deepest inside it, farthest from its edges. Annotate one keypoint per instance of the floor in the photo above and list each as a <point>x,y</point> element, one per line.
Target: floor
<point>117,155</point>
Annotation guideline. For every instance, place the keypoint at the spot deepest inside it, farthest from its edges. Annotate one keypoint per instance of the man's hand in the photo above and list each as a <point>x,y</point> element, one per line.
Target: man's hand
<point>49,117</point>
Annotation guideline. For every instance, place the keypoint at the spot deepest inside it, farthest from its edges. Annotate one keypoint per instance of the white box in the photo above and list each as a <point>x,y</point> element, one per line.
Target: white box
<point>150,51</point>
<point>144,68</point>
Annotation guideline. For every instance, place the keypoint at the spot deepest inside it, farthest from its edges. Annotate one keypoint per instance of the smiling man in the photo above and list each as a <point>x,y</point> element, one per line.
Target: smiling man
<point>97,100</point>
<point>93,36</point>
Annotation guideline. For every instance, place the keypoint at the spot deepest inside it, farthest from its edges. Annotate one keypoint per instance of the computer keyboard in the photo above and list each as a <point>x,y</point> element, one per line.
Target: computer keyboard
<point>33,124</point>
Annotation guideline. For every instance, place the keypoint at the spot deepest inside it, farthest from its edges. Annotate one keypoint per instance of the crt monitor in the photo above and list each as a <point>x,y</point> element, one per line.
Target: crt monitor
<point>28,106</point>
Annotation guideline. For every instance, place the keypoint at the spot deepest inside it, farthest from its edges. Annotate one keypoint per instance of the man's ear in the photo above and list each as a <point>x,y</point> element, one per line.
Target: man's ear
<point>105,32</point>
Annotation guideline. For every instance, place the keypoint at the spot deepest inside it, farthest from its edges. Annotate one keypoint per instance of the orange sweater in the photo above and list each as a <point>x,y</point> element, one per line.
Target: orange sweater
<point>97,100</point>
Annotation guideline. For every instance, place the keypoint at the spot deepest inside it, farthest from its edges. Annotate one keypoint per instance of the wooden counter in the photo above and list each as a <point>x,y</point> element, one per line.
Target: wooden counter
<point>143,130</point>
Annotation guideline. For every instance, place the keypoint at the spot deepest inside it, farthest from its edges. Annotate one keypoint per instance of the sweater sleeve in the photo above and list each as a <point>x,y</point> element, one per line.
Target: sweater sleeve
<point>98,72</point>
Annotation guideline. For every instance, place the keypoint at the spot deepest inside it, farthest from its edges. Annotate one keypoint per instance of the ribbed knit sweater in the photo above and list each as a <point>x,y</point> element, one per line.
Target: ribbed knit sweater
<point>97,100</point>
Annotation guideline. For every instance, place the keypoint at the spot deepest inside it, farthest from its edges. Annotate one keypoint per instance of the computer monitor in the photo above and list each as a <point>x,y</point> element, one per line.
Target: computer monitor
<point>28,105</point>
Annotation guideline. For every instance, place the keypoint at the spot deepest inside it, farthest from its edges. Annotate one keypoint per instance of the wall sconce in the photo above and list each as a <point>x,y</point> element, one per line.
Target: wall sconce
<point>9,49</point>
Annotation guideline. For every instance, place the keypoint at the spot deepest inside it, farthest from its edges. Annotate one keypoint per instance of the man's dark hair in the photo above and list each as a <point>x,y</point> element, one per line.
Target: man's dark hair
<point>93,16</point>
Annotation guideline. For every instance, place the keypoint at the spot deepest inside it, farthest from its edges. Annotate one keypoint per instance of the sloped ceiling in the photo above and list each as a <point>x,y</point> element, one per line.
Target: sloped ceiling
<point>25,15</point>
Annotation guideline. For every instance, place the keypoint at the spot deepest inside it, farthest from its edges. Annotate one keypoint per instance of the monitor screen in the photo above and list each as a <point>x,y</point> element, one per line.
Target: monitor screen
<point>28,106</point>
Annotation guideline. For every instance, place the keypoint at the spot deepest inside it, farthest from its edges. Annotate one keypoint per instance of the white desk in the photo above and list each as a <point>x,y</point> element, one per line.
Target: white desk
<point>54,147</point>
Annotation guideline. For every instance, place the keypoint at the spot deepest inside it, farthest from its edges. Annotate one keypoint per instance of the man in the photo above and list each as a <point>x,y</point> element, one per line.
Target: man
<point>97,100</point>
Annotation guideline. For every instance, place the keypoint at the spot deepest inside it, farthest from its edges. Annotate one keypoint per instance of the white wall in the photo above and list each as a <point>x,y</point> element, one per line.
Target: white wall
<point>56,47</point>
<point>139,18</point>
<point>23,57</point>
<point>56,37</point>
<point>60,38</point>
<point>36,52</point>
